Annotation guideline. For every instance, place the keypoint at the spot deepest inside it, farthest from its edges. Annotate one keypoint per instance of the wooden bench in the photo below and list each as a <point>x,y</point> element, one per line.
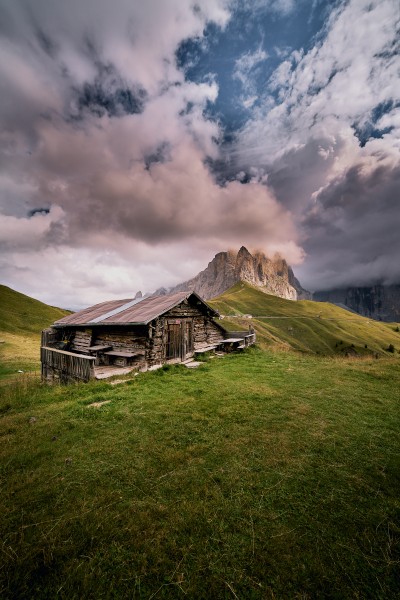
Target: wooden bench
<point>119,357</point>
<point>96,351</point>
<point>206,349</point>
<point>99,348</point>
<point>232,344</point>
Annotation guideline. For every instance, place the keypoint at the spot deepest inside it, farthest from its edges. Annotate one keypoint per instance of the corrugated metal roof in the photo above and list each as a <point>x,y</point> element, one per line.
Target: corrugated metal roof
<point>141,312</point>
<point>88,314</point>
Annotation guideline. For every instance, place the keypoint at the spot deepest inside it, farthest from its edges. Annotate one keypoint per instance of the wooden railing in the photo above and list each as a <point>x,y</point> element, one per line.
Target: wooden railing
<point>63,366</point>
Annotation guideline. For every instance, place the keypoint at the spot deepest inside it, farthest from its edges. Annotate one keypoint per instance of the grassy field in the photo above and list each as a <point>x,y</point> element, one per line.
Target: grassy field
<point>305,326</point>
<point>21,320</point>
<point>267,474</point>
<point>259,475</point>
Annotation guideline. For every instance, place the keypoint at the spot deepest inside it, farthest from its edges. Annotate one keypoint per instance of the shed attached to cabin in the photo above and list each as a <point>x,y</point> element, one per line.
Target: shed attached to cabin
<point>126,334</point>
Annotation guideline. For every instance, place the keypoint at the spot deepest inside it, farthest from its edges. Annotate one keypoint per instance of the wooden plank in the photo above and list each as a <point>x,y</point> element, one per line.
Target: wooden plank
<point>84,356</point>
<point>121,354</point>
<point>64,366</point>
<point>205,349</point>
<point>98,348</point>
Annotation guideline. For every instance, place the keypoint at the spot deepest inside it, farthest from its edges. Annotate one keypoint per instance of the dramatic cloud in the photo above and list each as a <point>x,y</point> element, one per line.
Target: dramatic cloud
<point>103,132</point>
<point>139,138</point>
<point>322,114</point>
<point>356,220</point>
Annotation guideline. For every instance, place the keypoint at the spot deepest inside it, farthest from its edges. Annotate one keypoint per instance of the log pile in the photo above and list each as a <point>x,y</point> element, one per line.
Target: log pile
<point>82,341</point>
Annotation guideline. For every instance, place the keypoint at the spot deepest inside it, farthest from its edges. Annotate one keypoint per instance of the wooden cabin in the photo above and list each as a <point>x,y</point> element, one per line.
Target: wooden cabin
<point>118,336</point>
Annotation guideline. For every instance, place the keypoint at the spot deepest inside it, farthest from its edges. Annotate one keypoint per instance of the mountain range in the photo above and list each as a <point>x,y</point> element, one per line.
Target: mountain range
<point>272,275</point>
<point>380,302</point>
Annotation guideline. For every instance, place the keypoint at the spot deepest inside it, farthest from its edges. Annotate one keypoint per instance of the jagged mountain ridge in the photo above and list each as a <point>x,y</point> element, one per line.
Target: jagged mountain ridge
<point>380,302</point>
<point>272,275</point>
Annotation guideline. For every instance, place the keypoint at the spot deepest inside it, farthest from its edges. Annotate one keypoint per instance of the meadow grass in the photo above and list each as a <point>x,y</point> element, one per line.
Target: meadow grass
<point>258,475</point>
<point>18,353</point>
<point>21,320</point>
<point>305,326</point>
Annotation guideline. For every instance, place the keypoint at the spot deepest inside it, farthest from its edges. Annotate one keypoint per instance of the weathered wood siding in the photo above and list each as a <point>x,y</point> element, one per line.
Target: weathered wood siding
<point>62,366</point>
<point>50,336</point>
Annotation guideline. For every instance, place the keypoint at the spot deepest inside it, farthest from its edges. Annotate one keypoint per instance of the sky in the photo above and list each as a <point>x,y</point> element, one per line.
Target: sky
<point>138,139</point>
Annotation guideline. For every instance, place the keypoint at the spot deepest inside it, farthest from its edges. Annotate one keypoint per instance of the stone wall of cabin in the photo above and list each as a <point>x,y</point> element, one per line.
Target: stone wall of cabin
<point>157,340</point>
<point>124,340</point>
<point>206,333</point>
<point>214,333</point>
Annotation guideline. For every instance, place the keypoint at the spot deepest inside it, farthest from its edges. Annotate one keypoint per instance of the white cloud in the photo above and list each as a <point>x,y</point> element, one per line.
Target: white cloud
<point>335,84</point>
<point>247,62</point>
<point>245,72</point>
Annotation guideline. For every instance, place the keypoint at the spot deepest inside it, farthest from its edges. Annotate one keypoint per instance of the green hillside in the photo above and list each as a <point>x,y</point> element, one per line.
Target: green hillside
<point>21,320</point>
<point>22,313</point>
<point>304,326</point>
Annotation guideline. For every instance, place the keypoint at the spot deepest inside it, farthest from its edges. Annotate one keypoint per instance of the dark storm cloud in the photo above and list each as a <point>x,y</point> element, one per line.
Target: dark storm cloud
<point>296,175</point>
<point>108,94</point>
<point>356,223</point>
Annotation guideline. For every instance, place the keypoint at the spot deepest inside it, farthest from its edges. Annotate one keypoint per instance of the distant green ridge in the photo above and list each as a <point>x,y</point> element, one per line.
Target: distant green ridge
<point>305,326</point>
<point>20,313</point>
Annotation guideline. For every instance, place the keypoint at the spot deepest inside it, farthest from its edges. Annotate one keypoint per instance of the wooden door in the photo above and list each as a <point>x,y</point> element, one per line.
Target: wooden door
<point>174,341</point>
<point>179,339</point>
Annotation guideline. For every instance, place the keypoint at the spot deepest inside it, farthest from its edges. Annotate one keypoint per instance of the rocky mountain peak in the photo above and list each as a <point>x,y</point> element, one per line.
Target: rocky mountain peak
<point>273,276</point>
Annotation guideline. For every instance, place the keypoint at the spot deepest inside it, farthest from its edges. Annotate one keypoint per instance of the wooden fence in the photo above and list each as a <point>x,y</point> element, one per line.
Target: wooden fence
<point>64,366</point>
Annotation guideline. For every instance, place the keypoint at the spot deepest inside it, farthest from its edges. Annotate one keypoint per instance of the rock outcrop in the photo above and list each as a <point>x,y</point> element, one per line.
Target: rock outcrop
<point>273,276</point>
<point>380,302</point>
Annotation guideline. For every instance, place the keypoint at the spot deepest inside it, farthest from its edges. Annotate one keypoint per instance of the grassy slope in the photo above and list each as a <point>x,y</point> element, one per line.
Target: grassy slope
<point>20,313</point>
<point>260,475</point>
<point>304,326</point>
<point>21,320</point>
